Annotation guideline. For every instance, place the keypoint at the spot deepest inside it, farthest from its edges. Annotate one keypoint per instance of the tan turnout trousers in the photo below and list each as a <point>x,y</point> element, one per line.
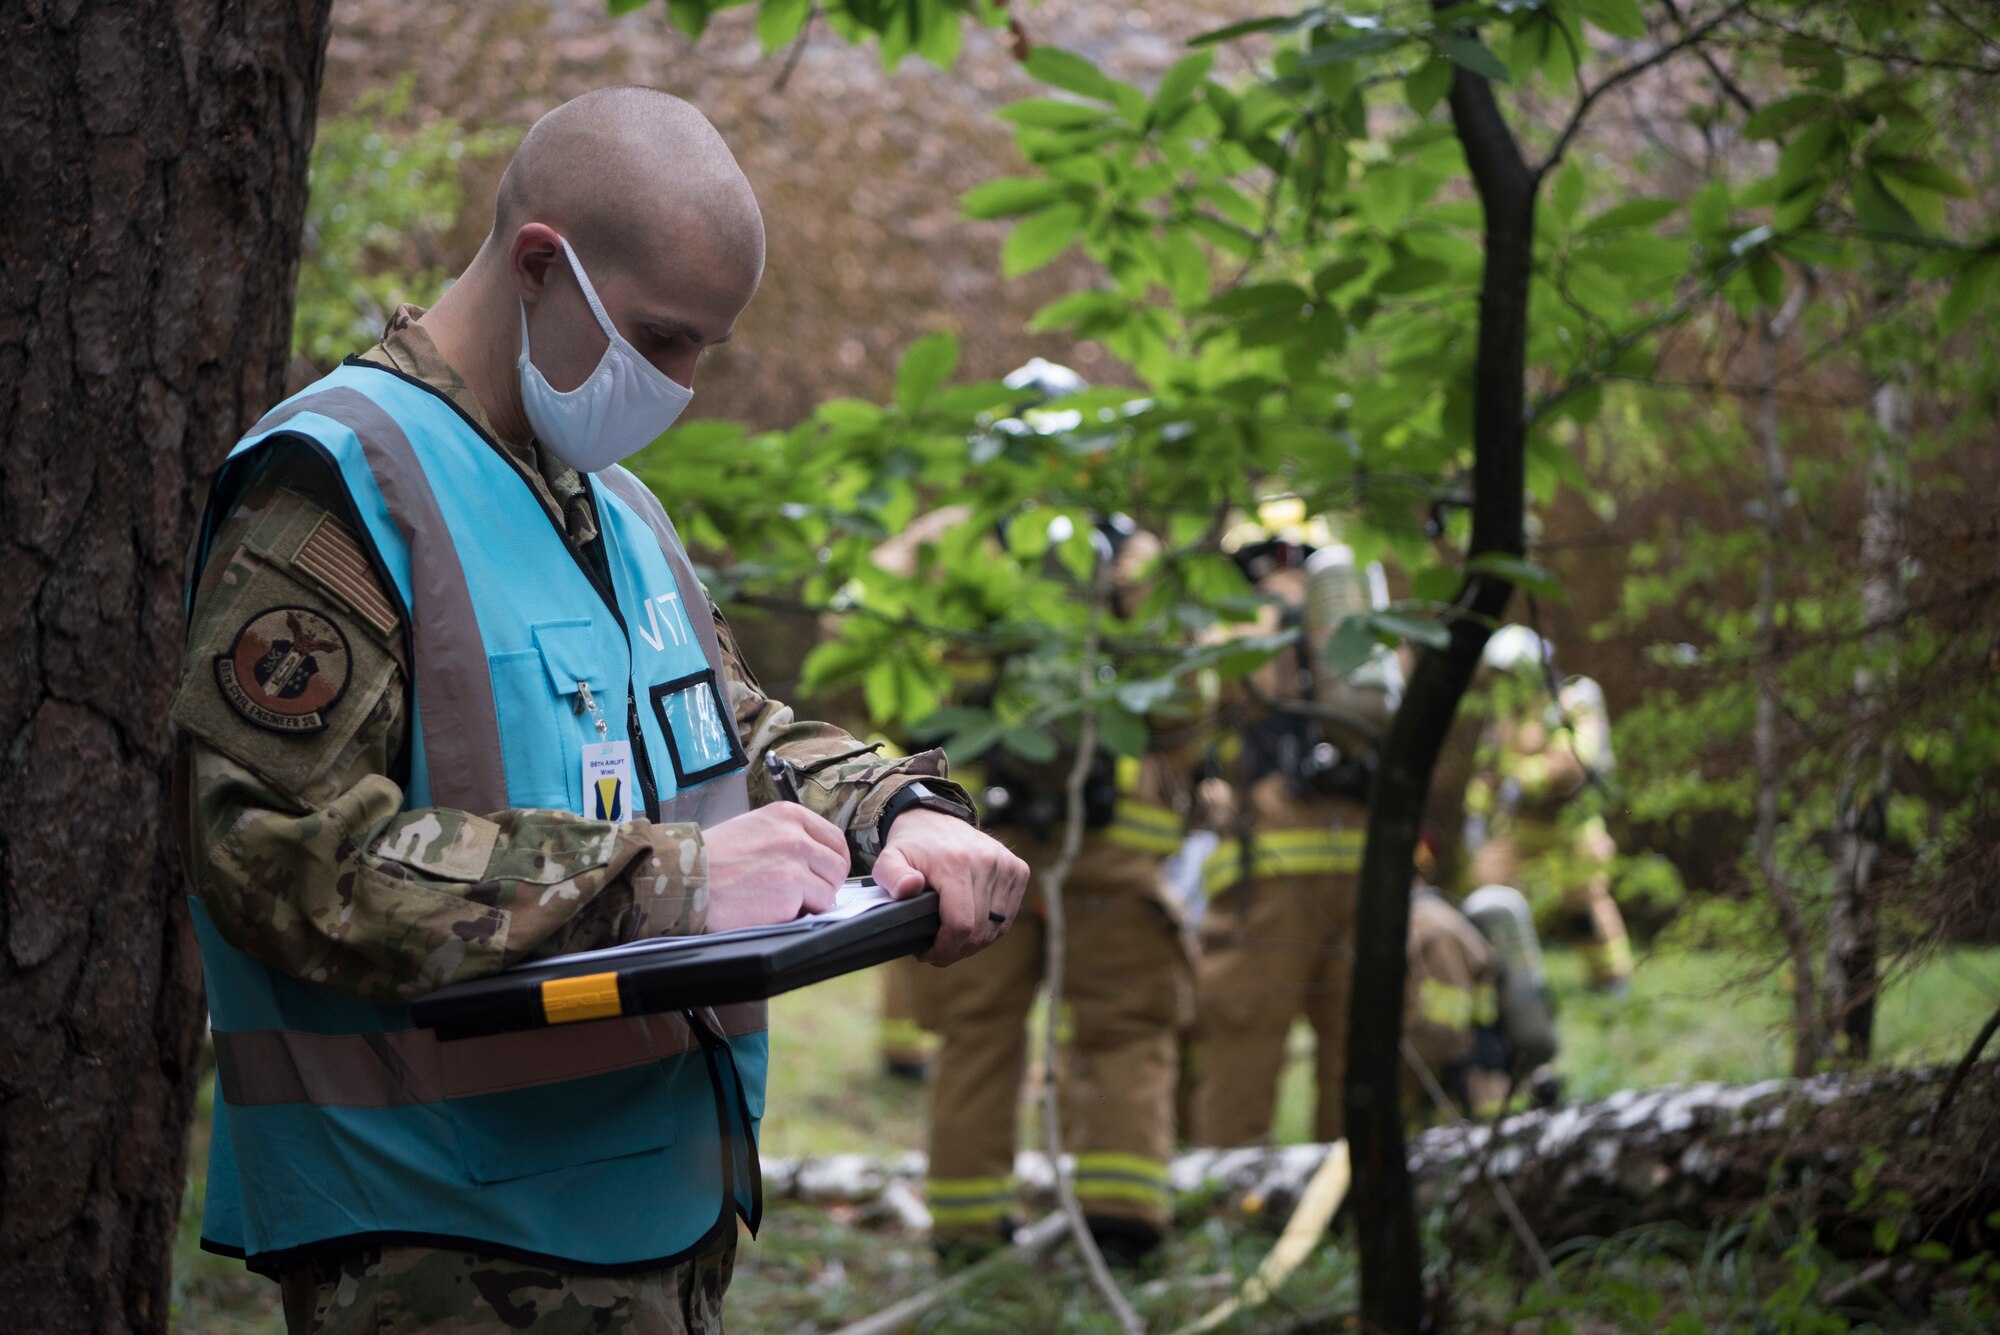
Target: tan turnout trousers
<point>1275,947</point>
<point>1129,990</point>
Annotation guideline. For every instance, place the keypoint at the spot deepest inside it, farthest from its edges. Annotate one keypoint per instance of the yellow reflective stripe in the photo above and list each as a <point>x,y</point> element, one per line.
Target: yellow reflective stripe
<point>1223,869</point>
<point>1284,853</point>
<point>1142,1193</point>
<point>1145,826</point>
<point>591,997</point>
<point>970,1214</point>
<point>1137,1165</point>
<point>968,1188</point>
<point>1442,1004</point>
<point>1485,1005</point>
<point>1125,773</point>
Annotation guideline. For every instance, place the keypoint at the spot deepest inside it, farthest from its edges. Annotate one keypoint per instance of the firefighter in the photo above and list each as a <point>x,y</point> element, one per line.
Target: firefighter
<point>1128,965</point>
<point>1534,802</point>
<point>1277,931</point>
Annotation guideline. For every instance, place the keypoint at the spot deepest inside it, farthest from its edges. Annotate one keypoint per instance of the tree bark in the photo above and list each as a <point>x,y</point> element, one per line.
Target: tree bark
<point>153,167</point>
<point>1853,926</point>
<point>1690,1154</point>
<point>1392,1297</point>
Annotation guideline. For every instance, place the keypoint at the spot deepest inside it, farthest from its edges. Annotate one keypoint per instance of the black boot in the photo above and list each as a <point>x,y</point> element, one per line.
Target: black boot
<point>1126,1243</point>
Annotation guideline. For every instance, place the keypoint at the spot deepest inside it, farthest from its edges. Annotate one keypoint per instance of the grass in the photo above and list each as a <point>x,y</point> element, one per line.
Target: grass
<point>1686,1018</point>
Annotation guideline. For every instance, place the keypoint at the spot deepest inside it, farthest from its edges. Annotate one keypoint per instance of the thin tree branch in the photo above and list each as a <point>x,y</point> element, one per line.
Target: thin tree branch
<point>1052,904</point>
<point>1693,37</point>
<point>798,49</point>
<point>1964,1068</point>
<point>1884,57</point>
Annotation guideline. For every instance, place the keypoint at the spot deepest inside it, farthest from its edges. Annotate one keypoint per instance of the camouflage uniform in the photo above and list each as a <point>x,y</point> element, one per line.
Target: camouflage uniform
<point>297,843</point>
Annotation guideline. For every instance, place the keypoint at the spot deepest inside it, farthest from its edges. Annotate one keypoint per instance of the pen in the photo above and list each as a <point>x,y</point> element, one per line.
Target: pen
<point>781,777</point>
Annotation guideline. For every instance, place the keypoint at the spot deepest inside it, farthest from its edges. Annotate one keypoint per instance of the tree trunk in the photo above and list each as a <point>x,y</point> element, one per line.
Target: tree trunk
<point>1691,1154</point>
<point>153,167</point>
<point>1807,1033</point>
<point>1392,1297</point>
<point>1853,926</point>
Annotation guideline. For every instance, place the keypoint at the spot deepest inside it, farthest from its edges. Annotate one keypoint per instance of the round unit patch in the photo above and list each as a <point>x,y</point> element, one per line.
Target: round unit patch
<point>287,668</point>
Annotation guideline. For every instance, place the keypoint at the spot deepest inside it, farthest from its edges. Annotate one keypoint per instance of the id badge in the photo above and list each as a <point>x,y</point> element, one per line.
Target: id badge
<point>608,781</point>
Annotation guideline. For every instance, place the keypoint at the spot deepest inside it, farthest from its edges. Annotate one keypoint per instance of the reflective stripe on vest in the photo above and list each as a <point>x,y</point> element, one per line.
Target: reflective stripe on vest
<point>1144,827</point>
<point>1308,852</point>
<point>605,1144</point>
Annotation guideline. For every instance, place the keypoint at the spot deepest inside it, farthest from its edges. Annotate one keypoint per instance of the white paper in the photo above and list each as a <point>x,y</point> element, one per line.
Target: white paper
<point>855,897</point>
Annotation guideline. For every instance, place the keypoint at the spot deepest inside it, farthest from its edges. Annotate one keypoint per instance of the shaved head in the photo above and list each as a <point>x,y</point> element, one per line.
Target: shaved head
<point>635,190</point>
<point>626,173</point>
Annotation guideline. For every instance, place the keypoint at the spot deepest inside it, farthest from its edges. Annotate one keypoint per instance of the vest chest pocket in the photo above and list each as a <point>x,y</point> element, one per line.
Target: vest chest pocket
<point>541,734</point>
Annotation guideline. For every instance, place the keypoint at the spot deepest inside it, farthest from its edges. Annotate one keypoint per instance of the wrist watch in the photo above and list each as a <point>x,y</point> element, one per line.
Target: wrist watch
<point>920,795</point>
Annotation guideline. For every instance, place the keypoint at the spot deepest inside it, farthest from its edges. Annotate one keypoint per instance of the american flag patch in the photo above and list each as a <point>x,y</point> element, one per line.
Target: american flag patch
<point>332,559</point>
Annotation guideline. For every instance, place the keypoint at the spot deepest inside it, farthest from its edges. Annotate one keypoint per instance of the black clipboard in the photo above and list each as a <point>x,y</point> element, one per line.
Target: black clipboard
<point>755,965</point>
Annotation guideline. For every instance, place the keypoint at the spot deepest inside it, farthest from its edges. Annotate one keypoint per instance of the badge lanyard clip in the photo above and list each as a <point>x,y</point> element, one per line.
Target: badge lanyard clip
<point>586,703</point>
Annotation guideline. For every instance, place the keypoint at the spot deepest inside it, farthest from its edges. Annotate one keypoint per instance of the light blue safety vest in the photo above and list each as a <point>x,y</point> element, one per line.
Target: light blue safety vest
<point>605,1145</point>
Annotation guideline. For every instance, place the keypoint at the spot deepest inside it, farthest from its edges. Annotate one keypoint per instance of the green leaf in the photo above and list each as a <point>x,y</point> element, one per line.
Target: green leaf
<point>928,364</point>
<point>1011,196</point>
<point>1822,64</point>
<point>1521,573</point>
<point>1632,213</point>
<point>690,16</point>
<point>851,415</point>
<point>1969,291</point>
<point>1435,584</point>
<point>1338,274</point>
<point>1179,85</point>
<point>1347,48</point>
<point>620,8</point>
<point>1878,210</point>
<point>1351,644</point>
<point>1924,175</point>
<point>1420,630</point>
<point>1187,269</point>
<point>1040,237</point>
<point>779,21</point>
<point>1071,73</point>
<point>944,722</point>
<point>1052,113</point>
<point>1034,745</point>
<point>1123,732</point>
<point>1261,299</point>
<point>1768,277</point>
<point>1142,697</point>
<point>1475,57</point>
<point>1566,195</point>
<point>1275,23</point>
<point>1775,120</point>
<point>1620,18</point>
<point>1412,273</point>
<point>1814,144</point>
<point>1428,85</point>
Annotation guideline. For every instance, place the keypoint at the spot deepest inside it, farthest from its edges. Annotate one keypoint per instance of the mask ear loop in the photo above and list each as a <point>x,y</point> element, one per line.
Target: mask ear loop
<point>611,334</point>
<point>590,293</point>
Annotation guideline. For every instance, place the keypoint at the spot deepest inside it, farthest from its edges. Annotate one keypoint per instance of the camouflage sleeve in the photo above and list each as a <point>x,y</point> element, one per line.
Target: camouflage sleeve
<point>289,712</point>
<point>842,778</point>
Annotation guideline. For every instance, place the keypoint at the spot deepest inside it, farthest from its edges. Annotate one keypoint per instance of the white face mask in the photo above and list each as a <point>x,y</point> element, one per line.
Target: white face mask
<point>624,405</point>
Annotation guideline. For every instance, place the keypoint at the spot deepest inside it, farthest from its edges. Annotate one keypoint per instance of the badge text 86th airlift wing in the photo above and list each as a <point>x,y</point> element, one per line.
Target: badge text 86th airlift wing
<point>287,667</point>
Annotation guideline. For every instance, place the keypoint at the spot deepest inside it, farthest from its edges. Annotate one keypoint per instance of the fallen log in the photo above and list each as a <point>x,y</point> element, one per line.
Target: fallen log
<point>1694,1154</point>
